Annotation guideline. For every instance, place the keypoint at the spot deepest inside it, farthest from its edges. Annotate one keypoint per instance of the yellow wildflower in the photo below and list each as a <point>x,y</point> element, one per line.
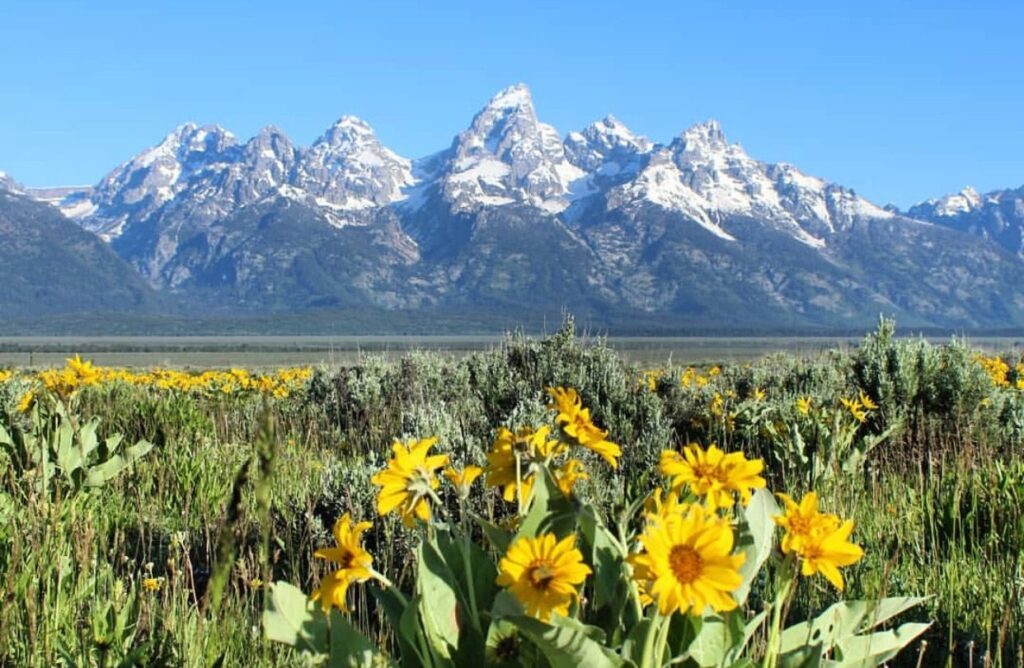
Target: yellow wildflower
<point>543,574</point>
<point>820,540</point>
<point>515,456</point>
<point>462,480</point>
<point>803,405</point>
<point>152,584</point>
<point>354,562</point>
<point>576,423</point>
<point>568,473</point>
<point>687,562</point>
<point>714,475</point>
<point>409,480</point>
<point>27,401</point>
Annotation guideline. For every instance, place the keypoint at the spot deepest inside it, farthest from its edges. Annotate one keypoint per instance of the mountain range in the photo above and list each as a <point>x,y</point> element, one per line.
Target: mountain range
<point>515,218</point>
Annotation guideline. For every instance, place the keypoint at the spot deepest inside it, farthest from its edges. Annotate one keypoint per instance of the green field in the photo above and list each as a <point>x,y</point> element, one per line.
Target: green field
<point>165,556</point>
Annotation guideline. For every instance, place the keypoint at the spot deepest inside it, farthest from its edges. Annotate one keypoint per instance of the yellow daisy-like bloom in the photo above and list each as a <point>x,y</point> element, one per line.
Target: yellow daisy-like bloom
<point>803,405</point>
<point>5,376</point>
<point>866,402</point>
<point>687,563</point>
<point>826,552</point>
<point>152,584</point>
<point>26,402</point>
<point>856,409</point>
<point>576,423</point>
<point>820,540</point>
<point>463,480</point>
<point>568,473</point>
<point>407,481</point>
<point>353,560</point>
<point>660,505</point>
<point>543,573</point>
<point>713,475</point>
<point>531,448</point>
<point>759,395</point>
<point>802,521</point>
<point>85,371</point>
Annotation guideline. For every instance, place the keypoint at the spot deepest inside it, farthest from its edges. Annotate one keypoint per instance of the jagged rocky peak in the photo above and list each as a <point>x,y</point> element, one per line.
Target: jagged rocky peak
<point>949,206</point>
<point>349,168</point>
<point>8,184</point>
<point>607,147</point>
<point>508,156</point>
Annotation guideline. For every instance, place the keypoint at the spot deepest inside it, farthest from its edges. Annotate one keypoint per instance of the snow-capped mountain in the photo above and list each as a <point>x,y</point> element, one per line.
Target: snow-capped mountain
<point>512,214</point>
<point>8,184</point>
<point>996,215</point>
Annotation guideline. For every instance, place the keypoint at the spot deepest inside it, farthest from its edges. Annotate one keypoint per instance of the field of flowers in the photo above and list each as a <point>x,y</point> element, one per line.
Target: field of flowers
<point>542,503</point>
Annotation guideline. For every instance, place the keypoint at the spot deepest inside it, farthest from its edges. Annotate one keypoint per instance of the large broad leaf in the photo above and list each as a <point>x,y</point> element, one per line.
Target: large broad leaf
<point>605,554</point>
<point>566,645</point>
<point>713,641</point>
<point>874,649</point>
<point>102,473</point>
<point>887,608</point>
<point>438,606</point>
<point>291,618</point>
<point>349,647</point>
<point>758,530</point>
<point>550,511</point>
<point>480,568</point>
<point>498,538</point>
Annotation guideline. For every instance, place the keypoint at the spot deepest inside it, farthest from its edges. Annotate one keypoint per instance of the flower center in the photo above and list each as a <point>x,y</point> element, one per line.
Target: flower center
<point>800,525</point>
<point>541,575</point>
<point>685,563</point>
<point>347,559</point>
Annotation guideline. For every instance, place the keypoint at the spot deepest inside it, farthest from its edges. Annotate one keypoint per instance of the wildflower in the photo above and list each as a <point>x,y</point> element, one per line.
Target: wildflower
<point>256,583</point>
<point>409,480</point>
<point>713,474</point>
<point>803,405</point>
<point>515,456</point>
<point>568,473</point>
<point>6,376</point>
<point>26,402</point>
<point>856,409</point>
<point>866,402</point>
<point>463,480</point>
<point>353,560</point>
<point>86,373</point>
<point>717,405</point>
<point>152,584</point>
<point>577,424</point>
<point>543,574</point>
<point>801,521</point>
<point>820,540</point>
<point>687,562</point>
<point>759,394</point>
<point>714,371</point>
<point>661,504</point>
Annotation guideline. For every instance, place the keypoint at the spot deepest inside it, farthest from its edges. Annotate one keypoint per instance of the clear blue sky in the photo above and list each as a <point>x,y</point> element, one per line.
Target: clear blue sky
<point>900,101</point>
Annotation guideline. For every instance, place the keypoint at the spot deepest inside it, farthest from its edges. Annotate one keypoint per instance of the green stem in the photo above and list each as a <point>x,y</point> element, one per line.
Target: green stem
<point>779,605</point>
<point>468,561</point>
<point>651,656</point>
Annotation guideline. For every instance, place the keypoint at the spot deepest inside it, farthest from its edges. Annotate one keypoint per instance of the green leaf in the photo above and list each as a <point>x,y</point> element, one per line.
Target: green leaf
<point>605,555</point>
<point>402,615</point>
<point>887,608</point>
<point>349,647</point>
<point>291,618</point>
<point>499,538</point>
<point>565,645</point>
<point>712,643</point>
<point>868,651</point>
<point>759,527</point>
<point>438,600</point>
<point>102,473</point>
<point>550,511</point>
<point>481,566</point>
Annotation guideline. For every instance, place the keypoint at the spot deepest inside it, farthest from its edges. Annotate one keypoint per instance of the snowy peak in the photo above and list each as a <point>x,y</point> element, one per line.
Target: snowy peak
<point>953,205</point>
<point>348,168</point>
<point>607,147</point>
<point>8,184</point>
<point>996,215</point>
<point>508,156</point>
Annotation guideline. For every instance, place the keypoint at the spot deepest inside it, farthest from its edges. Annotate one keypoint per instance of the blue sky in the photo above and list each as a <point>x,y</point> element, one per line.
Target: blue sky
<point>900,101</point>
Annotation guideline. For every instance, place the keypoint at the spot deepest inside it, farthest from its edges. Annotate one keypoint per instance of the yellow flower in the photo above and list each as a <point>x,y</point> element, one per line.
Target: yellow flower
<point>26,402</point>
<point>820,540</point>
<point>543,574</point>
<point>354,563</point>
<point>577,425</point>
<point>463,480</point>
<point>661,504</point>
<point>866,402</point>
<point>717,405</point>
<point>687,562</point>
<point>802,521</point>
<point>409,480</point>
<point>152,584</point>
<point>714,371</point>
<point>826,552</point>
<point>568,473</point>
<point>714,475</point>
<point>803,405</point>
<point>87,374</point>
<point>527,446</point>
<point>759,395</point>
<point>6,376</point>
<point>856,409</point>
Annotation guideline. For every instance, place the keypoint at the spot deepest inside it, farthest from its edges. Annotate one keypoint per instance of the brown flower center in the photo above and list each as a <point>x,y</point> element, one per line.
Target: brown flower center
<point>685,563</point>
<point>541,575</point>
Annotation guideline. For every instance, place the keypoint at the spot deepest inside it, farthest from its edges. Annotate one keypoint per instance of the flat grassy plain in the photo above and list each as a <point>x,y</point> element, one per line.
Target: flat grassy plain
<point>162,564</point>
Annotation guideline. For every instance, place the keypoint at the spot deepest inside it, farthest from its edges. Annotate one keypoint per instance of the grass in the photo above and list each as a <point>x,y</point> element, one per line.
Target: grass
<point>938,503</point>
